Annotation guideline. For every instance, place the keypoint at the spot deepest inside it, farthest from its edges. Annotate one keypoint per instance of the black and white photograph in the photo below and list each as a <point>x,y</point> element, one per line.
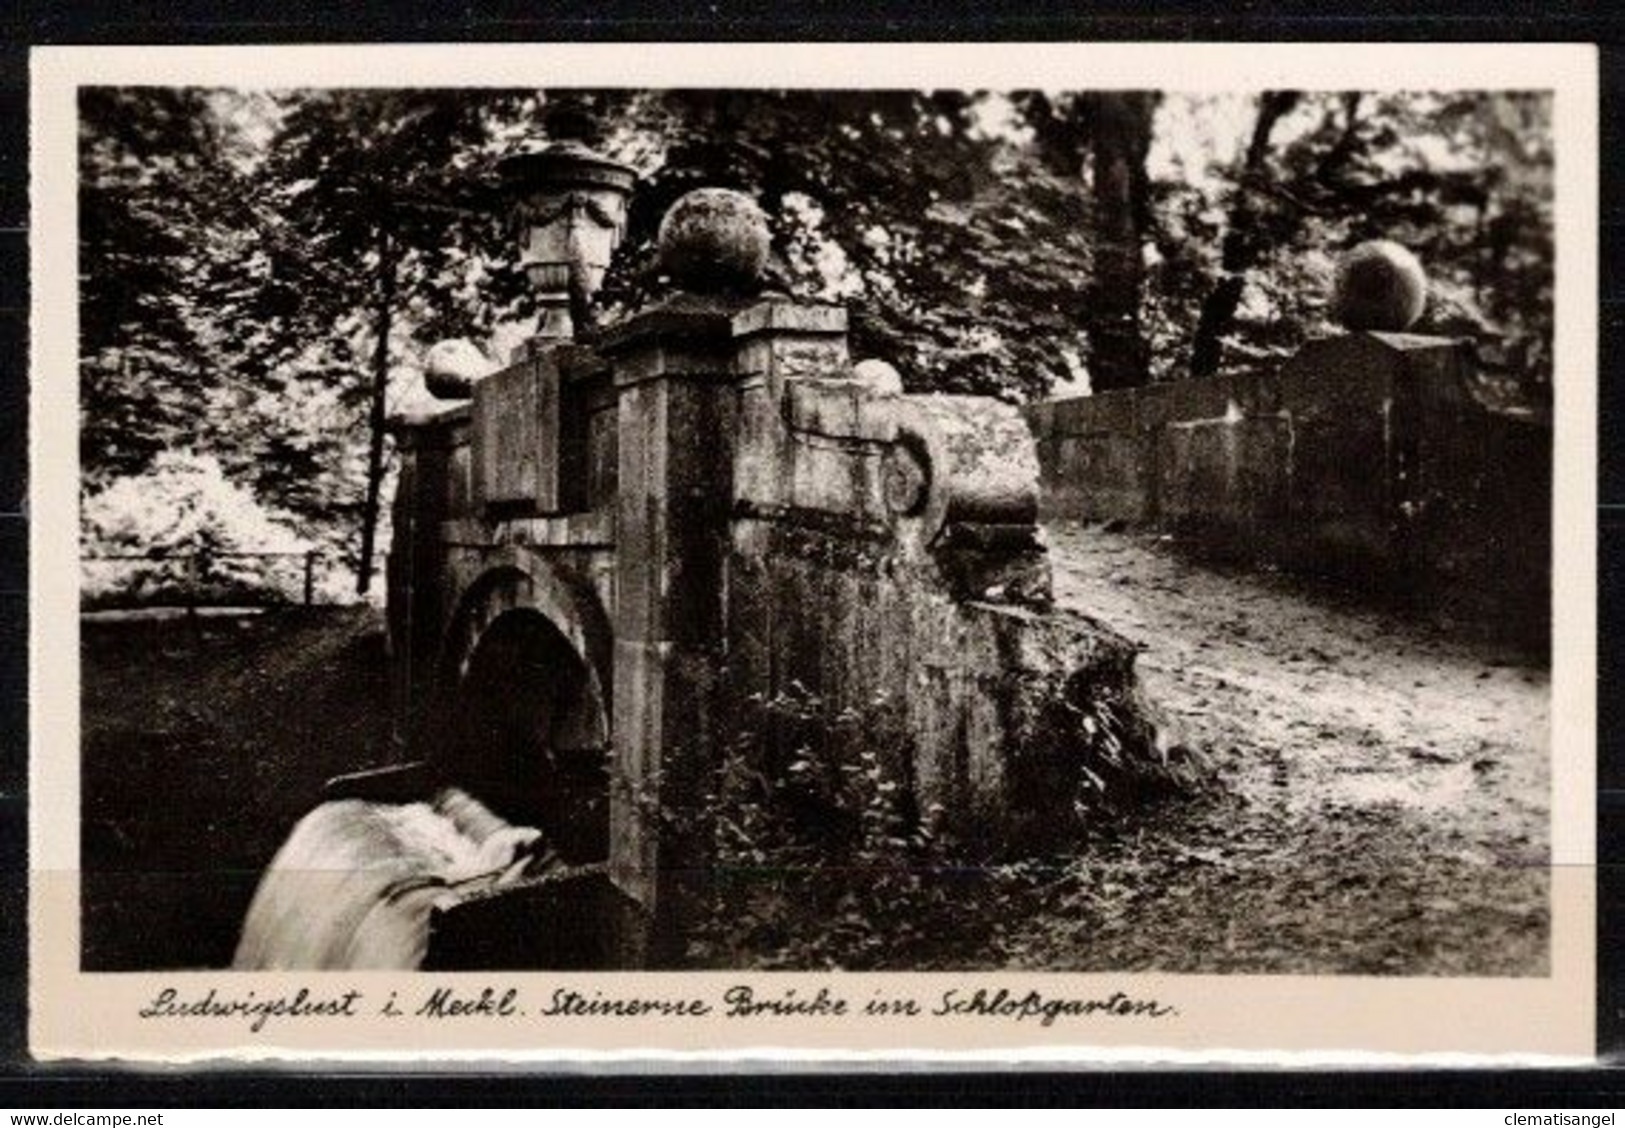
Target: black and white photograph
<point>1045,528</point>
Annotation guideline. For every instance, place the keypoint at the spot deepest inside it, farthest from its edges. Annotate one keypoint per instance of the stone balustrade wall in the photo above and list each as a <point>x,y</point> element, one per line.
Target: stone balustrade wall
<point>1377,458</point>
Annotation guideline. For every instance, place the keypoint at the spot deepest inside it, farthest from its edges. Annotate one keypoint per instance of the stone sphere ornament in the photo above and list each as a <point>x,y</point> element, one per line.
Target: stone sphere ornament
<point>879,377</point>
<point>714,240</point>
<point>451,368</point>
<point>1380,286</point>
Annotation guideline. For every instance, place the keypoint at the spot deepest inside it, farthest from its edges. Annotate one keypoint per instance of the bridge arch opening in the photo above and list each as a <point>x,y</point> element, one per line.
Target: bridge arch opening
<point>526,730</point>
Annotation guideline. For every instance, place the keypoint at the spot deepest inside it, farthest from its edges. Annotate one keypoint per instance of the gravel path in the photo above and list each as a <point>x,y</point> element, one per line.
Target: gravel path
<point>1385,788</point>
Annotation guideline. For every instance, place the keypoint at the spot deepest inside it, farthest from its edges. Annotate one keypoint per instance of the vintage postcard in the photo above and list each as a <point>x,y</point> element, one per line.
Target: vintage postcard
<point>955,553</point>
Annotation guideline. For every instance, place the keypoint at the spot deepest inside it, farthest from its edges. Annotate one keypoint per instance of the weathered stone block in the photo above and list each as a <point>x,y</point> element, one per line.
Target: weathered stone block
<point>782,357</point>
<point>516,436</point>
<point>1214,398</point>
<point>778,340</point>
<point>761,455</point>
<point>460,481</point>
<point>602,457</point>
<point>1226,482</point>
<point>680,325</point>
<point>842,479</point>
<point>982,459</point>
<point>1088,415</point>
<point>639,719</point>
<point>838,409</point>
<point>1098,477</point>
<point>1344,507</point>
<point>775,317</point>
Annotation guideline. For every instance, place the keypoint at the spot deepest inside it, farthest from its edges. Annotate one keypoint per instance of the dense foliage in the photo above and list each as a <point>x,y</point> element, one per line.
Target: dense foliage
<point>261,272</point>
<point>822,856</point>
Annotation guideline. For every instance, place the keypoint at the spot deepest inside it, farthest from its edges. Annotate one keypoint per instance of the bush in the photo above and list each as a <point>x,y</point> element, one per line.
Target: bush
<point>820,857</point>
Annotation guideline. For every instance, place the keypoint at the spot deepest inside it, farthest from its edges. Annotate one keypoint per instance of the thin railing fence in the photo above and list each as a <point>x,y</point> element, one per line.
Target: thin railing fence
<point>196,578</point>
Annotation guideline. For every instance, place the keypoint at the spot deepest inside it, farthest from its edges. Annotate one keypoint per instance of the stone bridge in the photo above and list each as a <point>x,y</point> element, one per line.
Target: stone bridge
<point>617,552</point>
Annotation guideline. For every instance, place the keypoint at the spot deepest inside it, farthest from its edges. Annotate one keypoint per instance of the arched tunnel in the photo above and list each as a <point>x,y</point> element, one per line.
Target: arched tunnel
<point>521,722</point>
<point>407,867</point>
<point>525,730</point>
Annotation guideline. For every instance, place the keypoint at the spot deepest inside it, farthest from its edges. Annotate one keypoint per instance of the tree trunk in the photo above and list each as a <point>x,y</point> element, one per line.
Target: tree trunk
<point>1121,123</point>
<point>375,422</point>
<point>1242,243</point>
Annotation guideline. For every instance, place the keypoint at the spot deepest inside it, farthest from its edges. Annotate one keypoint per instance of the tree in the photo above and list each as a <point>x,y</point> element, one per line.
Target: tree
<point>1100,141</point>
<point>959,254</point>
<point>354,191</point>
<point>1121,138</point>
<point>154,182</point>
<point>1245,241</point>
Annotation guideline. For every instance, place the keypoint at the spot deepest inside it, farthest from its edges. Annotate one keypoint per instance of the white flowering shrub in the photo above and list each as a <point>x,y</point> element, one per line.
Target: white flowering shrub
<point>182,531</point>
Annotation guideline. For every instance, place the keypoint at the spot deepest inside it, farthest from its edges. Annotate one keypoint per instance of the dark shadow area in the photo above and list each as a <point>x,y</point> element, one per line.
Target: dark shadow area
<point>203,743</point>
<point>575,921</point>
<point>528,736</point>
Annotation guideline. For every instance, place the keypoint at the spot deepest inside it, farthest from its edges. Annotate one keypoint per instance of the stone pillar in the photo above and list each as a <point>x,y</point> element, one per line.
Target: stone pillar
<point>673,370</point>
<point>1361,408</point>
<point>777,340</point>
